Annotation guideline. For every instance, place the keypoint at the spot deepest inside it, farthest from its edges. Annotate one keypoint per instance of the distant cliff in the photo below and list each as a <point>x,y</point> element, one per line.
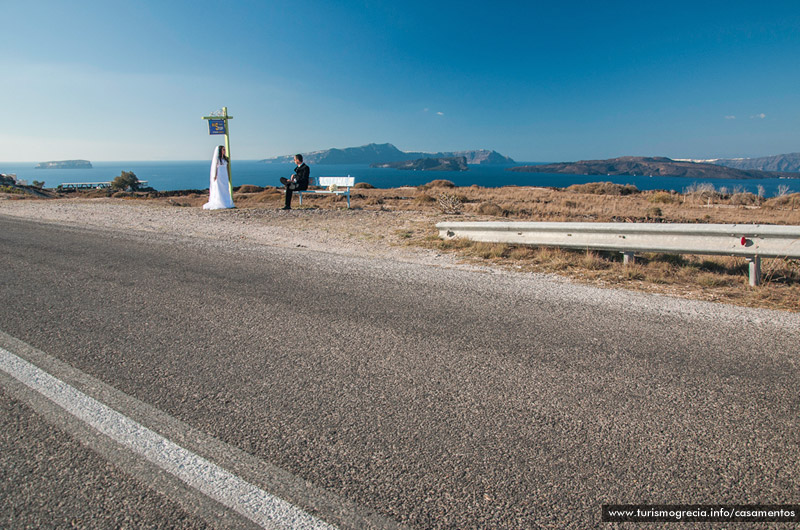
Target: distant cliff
<point>456,163</point>
<point>385,153</point>
<point>65,164</point>
<point>483,157</point>
<point>655,166</point>
<point>788,163</point>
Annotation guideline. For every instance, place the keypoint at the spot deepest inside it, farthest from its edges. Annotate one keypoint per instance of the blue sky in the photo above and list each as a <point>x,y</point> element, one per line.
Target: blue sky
<point>538,81</point>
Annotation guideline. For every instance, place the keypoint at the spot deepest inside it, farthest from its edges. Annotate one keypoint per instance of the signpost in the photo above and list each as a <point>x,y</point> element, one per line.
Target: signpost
<point>218,124</point>
<point>217,127</point>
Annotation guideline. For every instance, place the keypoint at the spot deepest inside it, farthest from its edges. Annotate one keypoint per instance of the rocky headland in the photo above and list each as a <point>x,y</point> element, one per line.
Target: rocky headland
<point>456,163</point>
<point>789,162</point>
<point>386,153</point>
<point>651,166</point>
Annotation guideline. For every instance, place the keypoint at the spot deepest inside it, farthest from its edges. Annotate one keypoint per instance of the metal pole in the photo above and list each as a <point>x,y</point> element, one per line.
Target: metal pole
<point>755,270</point>
<point>228,148</point>
<point>226,119</point>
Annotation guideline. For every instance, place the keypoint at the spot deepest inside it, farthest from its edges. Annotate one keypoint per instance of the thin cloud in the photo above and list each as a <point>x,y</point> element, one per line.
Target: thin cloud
<point>758,116</point>
<point>730,117</point>
<point>440,113</point>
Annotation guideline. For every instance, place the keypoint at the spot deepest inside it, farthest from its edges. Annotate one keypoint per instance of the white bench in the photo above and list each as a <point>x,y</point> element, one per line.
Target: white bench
<point>331,186</point>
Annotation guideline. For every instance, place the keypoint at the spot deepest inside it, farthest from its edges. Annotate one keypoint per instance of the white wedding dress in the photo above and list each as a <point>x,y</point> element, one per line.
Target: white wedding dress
<point>219,191</point>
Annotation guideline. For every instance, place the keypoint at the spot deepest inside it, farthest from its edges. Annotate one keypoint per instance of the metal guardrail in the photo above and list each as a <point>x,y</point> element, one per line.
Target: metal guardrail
<point>750,241</point>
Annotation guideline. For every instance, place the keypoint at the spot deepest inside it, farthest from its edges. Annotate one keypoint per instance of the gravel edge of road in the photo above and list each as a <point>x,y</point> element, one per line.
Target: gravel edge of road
<point>335,233</point>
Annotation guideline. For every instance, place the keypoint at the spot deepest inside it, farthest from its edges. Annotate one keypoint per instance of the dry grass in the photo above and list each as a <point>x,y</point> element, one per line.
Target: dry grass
<point>715,278</point>
<point>706,278</point>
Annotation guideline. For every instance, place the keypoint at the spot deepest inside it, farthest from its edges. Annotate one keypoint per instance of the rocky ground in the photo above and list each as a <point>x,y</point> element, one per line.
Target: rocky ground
<point>355,232</point>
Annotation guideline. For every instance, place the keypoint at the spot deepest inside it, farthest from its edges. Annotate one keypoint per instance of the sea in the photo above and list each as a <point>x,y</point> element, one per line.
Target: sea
<point>175,175</point>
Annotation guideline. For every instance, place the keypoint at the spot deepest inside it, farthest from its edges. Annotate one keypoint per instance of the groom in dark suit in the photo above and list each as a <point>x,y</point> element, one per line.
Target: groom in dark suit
<point>297,182</point>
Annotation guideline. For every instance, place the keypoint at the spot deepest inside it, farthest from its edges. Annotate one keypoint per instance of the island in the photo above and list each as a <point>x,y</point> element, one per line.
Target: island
<point>65,164</point>
<point>648,166</point>
<point>455,163</point>
<point>786,163</point>
<point>385,153</point>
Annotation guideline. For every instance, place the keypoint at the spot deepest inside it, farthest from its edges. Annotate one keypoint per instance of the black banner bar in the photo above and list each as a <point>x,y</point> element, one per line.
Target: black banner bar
<point>701,513</point>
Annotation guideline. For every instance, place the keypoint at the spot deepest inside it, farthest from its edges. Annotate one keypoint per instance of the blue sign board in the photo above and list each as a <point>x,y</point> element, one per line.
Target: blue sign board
<point>216,127</point>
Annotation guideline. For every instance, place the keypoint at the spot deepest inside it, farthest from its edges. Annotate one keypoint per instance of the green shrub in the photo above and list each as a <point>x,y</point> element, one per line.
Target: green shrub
<point>126,181</point>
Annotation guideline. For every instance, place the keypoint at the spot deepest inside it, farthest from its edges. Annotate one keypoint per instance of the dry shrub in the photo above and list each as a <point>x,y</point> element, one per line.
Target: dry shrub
<point>593,261</point>
<point>554,258</point>
<point>489,250</point>
<point>363,186</point>
<point>97,193</point>
<point>424,198</point>
<point>673,260</point>
<point>779,270</point>
<point>654,212</point>
<point>490,208</point>
<point>450,203</point>
<point>439,183</point>
<point>709,279</point>
<point>660,272</point>
<point>521,253</point>
<point>268,194</point>
<point>791,201</point>
<point>248,188</point>
<point>458,243</point>
<point>604,188</point>
<point>517,211</point>
<point>634,272</point>
<point>663,197</point>
<point>703,192</point>
<point>743,199</point>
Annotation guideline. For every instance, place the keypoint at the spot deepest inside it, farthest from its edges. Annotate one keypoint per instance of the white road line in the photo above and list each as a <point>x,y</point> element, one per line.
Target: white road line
<point>223,486</point>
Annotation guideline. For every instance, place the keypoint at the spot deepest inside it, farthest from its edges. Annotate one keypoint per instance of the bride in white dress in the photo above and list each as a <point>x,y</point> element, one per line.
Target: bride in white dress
<point>219,190</point>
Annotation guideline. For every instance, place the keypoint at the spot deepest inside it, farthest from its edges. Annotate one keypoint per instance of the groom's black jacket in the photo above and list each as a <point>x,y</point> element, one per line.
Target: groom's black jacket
<point>301,176</point>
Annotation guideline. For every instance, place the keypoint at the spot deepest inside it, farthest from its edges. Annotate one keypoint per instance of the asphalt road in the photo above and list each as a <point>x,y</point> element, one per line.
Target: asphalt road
<point>431,397</point>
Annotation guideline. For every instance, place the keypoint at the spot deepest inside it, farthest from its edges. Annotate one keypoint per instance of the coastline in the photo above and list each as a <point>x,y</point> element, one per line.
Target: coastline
<point>178,175</point>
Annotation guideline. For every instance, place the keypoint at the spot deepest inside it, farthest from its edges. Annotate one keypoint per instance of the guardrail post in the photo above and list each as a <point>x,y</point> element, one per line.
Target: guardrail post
<point>627,258</point>
<point>755,270</point>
